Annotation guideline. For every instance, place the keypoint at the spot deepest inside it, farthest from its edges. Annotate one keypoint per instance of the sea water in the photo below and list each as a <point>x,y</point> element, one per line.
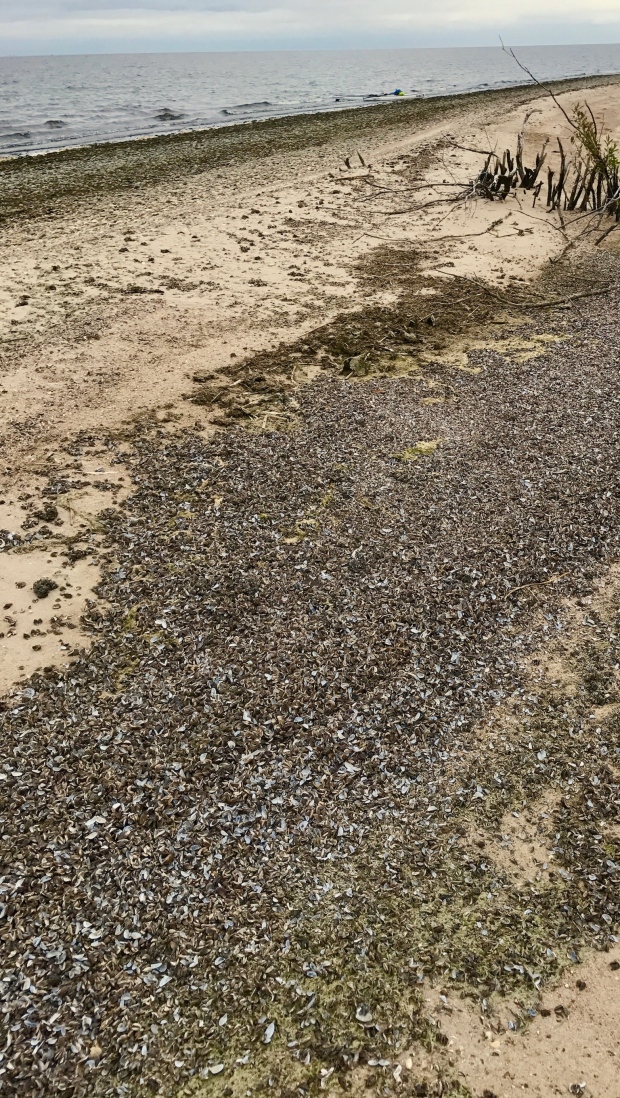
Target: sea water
<point>53,102</point>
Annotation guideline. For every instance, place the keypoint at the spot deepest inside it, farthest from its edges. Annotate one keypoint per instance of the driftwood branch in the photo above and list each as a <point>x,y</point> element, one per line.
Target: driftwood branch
<point>538,583</point>
<point>611,229</point>
<point>533,300</point>
<point>511,53</point>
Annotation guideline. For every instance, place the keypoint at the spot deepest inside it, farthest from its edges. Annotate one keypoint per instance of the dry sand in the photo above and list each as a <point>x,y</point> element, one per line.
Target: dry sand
<point>65,548</point>
<point>571,1045</point>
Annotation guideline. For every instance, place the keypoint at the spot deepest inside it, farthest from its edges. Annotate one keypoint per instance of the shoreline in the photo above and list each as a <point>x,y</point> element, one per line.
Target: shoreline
<point>386,100</point>
<point>30,182</point>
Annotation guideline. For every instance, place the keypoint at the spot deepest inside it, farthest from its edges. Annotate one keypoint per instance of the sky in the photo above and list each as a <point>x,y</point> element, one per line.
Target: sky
<point>102,26</point>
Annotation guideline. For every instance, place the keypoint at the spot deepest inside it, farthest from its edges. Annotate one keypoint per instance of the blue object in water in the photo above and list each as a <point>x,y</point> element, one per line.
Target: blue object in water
<point>398,92</point>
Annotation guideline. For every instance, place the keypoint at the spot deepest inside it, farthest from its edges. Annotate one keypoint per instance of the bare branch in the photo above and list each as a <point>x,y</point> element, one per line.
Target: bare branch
<point>611,229</point>
<point>511,53</point>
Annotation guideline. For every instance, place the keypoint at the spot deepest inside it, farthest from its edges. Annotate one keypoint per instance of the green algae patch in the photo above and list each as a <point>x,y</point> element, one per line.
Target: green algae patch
<point>420,450</point>
<point>520,349</point>
<point>513,348</point>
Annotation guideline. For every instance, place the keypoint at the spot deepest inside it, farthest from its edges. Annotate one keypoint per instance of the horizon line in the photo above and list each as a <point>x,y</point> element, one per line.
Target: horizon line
<point>336,48</point>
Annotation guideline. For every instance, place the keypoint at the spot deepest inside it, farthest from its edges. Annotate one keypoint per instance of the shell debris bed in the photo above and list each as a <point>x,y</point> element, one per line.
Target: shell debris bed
<point>237,833</point>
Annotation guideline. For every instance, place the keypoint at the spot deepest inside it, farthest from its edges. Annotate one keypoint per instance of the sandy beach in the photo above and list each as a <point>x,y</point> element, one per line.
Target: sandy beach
<point>112,299</point>
<point>309,570</point>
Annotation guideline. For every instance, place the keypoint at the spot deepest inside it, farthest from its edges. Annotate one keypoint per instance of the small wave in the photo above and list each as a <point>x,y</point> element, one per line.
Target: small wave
<point>166,115</point>
<point>245,107</point>
<point>55,123</point>
<point>25,134</point>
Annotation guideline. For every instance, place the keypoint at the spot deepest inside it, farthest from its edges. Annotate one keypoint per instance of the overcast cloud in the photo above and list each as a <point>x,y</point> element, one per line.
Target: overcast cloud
<point>49,26</point>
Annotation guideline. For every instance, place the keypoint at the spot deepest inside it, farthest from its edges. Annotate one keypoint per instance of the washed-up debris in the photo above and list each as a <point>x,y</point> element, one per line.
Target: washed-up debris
<point>9,540</point>
<point>42,587</point>
<point>254,798</point>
